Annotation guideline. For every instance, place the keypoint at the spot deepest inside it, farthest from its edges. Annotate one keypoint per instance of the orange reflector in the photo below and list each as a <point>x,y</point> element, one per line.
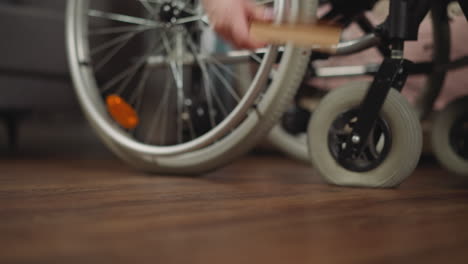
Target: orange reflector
<point>122,112</point>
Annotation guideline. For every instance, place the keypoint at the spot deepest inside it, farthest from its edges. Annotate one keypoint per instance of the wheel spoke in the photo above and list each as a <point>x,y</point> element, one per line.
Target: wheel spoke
<point>148,7</point>
<point>115,41</point>
<point>225,82</point>
<point>185,20</point>
<point>110,55</point>
<point>158,2</point>
<point>129,77</point>
<point>190,123</point>
<point>165,113</point>
<point>163,104</point>
<point>256,58</point>
<point>127,72</point>
<point>218,99</point>
<point>123,18</point>
<point>120,29</point>
<point>206,79</point>
<point>137,96</point>
<point>225,69</point>
<point>177,74</point>
<point>190,11</point>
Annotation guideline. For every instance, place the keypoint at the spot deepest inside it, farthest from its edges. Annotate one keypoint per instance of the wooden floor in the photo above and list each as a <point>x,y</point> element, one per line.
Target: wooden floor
<point>261,209</point>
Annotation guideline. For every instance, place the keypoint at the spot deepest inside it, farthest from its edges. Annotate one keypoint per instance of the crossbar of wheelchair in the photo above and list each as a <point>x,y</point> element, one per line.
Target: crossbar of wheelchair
<point>356,45</point>
<point>429,67</point>
<point>230,57</point>
<point>455,64</point>
<point>347,71</point>
<point>372,68</point>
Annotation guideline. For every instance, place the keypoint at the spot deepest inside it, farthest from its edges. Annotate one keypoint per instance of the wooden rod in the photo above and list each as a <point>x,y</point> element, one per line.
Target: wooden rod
<point>314,36</point>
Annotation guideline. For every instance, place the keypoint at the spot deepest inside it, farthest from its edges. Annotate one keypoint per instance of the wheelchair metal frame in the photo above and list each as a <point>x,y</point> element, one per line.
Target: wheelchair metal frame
<point>401,25</point>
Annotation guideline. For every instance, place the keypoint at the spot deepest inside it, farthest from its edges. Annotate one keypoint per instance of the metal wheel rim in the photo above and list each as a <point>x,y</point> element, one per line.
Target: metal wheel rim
<point>91,96</point>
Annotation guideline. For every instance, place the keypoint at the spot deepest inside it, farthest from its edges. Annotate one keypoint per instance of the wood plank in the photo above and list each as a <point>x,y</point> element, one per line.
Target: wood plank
<point>261,209</point>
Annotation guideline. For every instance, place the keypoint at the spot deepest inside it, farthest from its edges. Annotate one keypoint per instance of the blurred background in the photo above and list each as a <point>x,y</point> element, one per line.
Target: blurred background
<point>39,114</point>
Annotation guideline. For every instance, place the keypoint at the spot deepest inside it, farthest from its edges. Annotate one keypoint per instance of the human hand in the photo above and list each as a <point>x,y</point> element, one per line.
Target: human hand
<point>231,19</point>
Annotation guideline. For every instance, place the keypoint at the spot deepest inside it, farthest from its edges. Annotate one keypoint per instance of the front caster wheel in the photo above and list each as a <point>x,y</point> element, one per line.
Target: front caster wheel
<point>450,137</point>
<point>391,153</point>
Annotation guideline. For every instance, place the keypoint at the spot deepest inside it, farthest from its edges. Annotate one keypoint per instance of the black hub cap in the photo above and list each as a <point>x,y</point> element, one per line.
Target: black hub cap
<point>375,149</point>
<point>459,137</point>
<point>169,12</point>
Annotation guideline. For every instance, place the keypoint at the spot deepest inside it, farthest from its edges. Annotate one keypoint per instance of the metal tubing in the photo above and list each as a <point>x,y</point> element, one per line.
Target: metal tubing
<point>356,45</point>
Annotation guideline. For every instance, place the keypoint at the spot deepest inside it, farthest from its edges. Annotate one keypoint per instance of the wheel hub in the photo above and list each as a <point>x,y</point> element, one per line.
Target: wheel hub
<point>375,150</point>
<point>169,12</point>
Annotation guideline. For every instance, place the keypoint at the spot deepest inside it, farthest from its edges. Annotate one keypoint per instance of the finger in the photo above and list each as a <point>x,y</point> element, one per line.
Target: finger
<point>242,38</point>
<point>260,13</point>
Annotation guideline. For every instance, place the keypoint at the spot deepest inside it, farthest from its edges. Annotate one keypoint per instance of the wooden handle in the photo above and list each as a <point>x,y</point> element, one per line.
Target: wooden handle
<point>315,36</point>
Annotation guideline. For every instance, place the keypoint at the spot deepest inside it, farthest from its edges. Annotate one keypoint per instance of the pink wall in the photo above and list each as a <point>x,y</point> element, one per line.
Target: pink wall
<point>456,83</point>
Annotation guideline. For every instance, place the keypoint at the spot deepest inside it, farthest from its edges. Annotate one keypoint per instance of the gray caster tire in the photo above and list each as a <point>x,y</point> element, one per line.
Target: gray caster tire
<point>394,151</point>
<point>448,136</point>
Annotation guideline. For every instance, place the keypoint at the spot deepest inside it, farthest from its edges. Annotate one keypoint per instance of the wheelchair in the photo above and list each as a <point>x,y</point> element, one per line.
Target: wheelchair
<point>167,96</point>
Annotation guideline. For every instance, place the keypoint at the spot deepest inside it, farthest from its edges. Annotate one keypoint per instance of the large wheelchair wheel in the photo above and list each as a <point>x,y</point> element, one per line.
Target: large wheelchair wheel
<point>163,95</point>
<point>449,136</point>
<point>390,154</point>
<point>291,139</point>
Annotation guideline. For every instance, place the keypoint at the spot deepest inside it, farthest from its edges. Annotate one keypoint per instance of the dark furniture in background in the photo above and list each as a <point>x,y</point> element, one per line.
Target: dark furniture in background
<point>33,66</point>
